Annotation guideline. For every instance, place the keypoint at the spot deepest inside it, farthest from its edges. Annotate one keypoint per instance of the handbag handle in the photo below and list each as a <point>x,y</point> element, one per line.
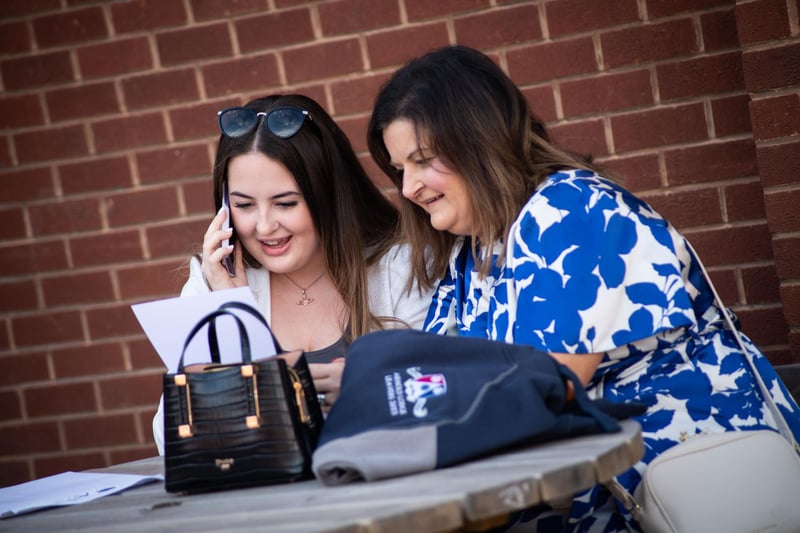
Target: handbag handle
<point>258,316</point>
<point>780,420</point>
<point>209,319</point>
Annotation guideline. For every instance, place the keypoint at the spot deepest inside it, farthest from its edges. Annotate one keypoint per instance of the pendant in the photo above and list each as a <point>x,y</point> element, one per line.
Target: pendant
<point>304,299</point>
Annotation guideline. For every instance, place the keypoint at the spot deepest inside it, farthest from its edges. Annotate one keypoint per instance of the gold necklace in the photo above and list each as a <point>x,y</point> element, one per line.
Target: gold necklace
<point>304,299</point>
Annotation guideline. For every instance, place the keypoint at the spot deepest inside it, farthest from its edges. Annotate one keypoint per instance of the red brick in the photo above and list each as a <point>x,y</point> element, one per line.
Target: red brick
<point>123,56</point>
<point>33,437</point>
<point>88,360</point>
<point>72,216</point>
<point>194,44</point>
<point>18,295</point>
<point>578,16</point>
<point>198,120</point>
<point>352,16</point>
<point>51,143</point>
<point>274,30</point>
<point>55,399</point>
<point>142,15</point>
<point>744,202</point>
<point>88,100</point>
<point>111,322</point>
<point>160,89</point>
<point>727,246</point>
<point>659,127</point>
<point>143,355</point>
<point>16,8</point>
<point>778,164</point>
<point>776,117</point>
<point>424,9</point>
<point>180,239</point>
<point>329,59</point>
<point>142,206</point>
<point>772,68</point>
<point>22,259</point>
<point>700,76</point>
<point>150,280</point>
<point>356,131</point>
<point>731,115</point>
<point>687,209</point>
<point>198,196</point>
<point>68,462</point>
<point>644,43</point>
<point>601,94</point>
<point>129,132</point>
<point>762,20</point>
<point>170,164</point>
<point>14,38</point>
<point>131,391</point>
<point>96,174</point>
<point>787,256</point>
<point>761,285</point>
<point>666,8</point>
<point>77,288</point>
<point>47,328</point>
<point>10,406</point>
<point>70,27</point>
<point>101,430</point>
<point>237,75</point>
<point>541,102</point>
<point>396,47</point>
<point>552,60</point>
<point>125,455</point>
<point>12,224</point>
<point>106,248</point>
<point>217,9</point>
<point>719,30</point>
<point>356,95</point>
<point>380,179</point>
<point>727,287</point>
<point>711,162</point>
<point>782,212</point>
<point>585,137</point>
<point>23,368</point>
<point>14,472</point>
<point>764,326</point>
<point>636,173</point>
<point>40,70</point>
<point>499,27</point>
<point>5,152</point>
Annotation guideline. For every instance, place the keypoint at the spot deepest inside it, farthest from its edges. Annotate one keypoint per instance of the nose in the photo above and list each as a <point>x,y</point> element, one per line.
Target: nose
<point>266,222</point>
<point>411,185</point>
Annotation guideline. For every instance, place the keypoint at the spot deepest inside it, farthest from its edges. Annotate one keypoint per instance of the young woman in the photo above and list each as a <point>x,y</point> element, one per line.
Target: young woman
<point>535,246</point>
<point>311,235</point>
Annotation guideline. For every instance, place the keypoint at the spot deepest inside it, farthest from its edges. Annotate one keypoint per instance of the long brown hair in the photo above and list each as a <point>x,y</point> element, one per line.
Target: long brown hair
<point>356,223</point>
<point>467,111</point>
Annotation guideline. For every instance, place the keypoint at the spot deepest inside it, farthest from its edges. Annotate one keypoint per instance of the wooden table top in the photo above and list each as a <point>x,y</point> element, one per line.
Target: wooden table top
<point>471,496</point>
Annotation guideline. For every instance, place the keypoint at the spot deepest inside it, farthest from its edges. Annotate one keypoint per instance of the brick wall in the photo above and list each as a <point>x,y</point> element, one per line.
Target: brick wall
<point>107,134</point>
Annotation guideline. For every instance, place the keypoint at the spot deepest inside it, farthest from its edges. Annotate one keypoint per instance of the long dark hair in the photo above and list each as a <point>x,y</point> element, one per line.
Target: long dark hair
<point>356,223</point>
<point>468,112</point>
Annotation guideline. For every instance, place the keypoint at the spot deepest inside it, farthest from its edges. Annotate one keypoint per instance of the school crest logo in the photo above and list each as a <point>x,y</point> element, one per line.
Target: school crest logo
<point>416,390</point>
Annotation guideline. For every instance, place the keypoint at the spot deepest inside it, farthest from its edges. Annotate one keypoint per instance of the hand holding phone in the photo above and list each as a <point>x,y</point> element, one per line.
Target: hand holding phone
<point>227,261</point>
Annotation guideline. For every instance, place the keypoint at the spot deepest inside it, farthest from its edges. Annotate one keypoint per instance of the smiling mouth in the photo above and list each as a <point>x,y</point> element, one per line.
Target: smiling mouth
<point>275,243</point>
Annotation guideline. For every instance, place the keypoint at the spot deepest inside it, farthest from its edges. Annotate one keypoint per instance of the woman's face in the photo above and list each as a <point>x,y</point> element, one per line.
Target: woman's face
<point>427,180</point>
<point>271,216</point>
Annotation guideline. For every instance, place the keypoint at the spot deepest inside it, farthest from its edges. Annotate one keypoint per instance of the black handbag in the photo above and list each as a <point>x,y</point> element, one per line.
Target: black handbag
<point>237,425</point>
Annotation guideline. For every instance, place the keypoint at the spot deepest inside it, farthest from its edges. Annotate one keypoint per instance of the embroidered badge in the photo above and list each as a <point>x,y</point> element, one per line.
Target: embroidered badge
<point>416,390</point>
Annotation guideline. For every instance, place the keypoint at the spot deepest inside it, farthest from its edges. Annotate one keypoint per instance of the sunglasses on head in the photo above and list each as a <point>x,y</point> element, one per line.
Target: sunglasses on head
<point>282,122</point>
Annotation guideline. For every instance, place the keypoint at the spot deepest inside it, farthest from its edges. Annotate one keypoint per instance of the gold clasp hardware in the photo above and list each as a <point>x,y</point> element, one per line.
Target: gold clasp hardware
<point>299,396</point>
<point>251,421</point>
<point>185,430</point>
<point>224,464</point>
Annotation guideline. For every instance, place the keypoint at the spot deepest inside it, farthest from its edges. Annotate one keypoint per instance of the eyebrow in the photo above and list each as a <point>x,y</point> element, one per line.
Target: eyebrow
<point>273,197</point>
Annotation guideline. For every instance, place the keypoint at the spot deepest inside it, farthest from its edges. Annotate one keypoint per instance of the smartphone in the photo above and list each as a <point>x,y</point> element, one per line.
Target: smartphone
<point>227,261</point>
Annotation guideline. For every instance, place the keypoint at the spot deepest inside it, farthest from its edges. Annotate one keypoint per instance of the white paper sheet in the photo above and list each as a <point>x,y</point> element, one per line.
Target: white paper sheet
<point>67,488</point>
<point>168,322</point>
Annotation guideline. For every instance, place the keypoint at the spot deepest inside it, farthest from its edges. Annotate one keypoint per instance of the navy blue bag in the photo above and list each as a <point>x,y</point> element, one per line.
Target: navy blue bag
<point>412,401</point>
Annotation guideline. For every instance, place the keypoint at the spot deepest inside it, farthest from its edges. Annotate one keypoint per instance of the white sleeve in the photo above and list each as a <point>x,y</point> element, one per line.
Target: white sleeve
<point>158,427</point>
<point>387,289</point>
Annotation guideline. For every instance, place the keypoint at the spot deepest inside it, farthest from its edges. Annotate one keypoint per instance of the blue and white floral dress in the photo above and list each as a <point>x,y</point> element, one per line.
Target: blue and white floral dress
<point>590,268</point>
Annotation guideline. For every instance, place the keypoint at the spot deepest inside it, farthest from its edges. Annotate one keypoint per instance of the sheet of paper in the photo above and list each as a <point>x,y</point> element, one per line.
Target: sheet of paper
<point>67,488</point>
<point>168,322</point>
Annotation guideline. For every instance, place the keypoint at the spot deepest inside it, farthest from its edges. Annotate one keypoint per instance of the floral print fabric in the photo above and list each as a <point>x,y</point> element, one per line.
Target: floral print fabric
<point>591,268</point>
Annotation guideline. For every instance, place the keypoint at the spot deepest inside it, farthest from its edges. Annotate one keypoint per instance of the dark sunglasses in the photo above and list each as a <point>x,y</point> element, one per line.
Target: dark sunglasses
<point>281,121</point>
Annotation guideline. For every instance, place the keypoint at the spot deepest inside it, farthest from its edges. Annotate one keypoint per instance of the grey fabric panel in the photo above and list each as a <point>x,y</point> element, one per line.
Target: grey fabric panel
<point>375,455</point>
